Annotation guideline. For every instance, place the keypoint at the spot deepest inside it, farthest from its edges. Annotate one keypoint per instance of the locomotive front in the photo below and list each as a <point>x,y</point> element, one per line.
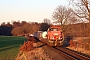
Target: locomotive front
<point>55,36</point>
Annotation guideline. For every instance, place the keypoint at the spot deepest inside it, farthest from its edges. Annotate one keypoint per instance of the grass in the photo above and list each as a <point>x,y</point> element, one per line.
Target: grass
<point>9,46</point>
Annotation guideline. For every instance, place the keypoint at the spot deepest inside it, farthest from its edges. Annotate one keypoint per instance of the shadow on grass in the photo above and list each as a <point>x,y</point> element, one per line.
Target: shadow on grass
<point>6,41</point>
<point>10,43</point>
<point>6,48</point>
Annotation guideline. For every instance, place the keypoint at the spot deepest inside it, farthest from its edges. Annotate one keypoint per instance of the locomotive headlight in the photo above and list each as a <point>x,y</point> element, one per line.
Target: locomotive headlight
<point>53,38</point>
<point>59,38</point>
<point>55,33</point>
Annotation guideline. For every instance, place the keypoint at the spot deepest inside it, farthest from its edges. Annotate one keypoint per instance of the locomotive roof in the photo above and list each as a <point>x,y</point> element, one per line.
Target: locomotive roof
<point>55,27</point>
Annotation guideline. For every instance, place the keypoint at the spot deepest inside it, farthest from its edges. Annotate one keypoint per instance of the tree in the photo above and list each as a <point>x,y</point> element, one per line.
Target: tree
<point>35,27</point>
<point>27,28</point>
<point>46,21</point>
<point>15,24</point>
<point>5,29</point>
<point>44,27</point>
<point>8,24</point>
<point>23,22</point>
<point>3,24</point>
<point>62,16</point>
<point>81,8</point>
<point>18,31</point>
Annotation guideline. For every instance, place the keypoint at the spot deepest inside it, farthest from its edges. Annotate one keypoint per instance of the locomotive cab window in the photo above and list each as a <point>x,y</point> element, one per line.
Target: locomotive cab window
<point>53,29</point>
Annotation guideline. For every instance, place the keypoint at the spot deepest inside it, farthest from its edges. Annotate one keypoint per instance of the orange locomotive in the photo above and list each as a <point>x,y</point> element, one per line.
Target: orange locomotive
<point>55,36</point>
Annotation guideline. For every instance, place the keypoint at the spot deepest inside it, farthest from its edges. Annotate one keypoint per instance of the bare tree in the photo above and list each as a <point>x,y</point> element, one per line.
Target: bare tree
<point>15,24</point>
<point>81,8</point>
<point>44,26</point>
<point>62,16</point>
<point>3,24</point>
<point>46,21</point>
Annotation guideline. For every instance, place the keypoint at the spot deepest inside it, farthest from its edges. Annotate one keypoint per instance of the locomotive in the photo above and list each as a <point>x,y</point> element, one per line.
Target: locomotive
<point>53,36</point>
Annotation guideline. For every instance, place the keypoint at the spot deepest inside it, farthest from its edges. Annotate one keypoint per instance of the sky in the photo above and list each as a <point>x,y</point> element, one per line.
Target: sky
<point>28,10</point>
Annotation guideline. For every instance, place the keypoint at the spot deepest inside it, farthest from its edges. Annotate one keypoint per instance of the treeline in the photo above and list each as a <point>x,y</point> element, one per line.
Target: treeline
<point>77,30</point>
<point>22,28</point>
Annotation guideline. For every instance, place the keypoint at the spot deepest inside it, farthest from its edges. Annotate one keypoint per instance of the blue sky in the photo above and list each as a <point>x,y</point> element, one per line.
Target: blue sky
<point>28,10</point>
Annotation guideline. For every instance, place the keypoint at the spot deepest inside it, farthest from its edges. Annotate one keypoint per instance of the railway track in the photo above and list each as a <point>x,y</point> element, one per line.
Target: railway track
<point>71,55</point>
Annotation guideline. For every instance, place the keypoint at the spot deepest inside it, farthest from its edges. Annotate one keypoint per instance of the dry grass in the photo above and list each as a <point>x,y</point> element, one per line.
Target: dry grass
<point>80,45</point>
<point>36,54</point>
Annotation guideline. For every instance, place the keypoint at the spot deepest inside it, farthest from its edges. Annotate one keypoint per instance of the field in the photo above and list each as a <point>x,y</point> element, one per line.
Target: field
<point>9,46</point>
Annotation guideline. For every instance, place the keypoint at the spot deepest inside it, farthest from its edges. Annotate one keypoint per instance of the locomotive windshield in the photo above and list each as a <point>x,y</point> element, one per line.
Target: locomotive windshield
<point>53,29</point>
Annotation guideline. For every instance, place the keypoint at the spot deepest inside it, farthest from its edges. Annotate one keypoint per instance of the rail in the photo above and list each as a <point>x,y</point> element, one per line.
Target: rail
<point>72,55</point>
